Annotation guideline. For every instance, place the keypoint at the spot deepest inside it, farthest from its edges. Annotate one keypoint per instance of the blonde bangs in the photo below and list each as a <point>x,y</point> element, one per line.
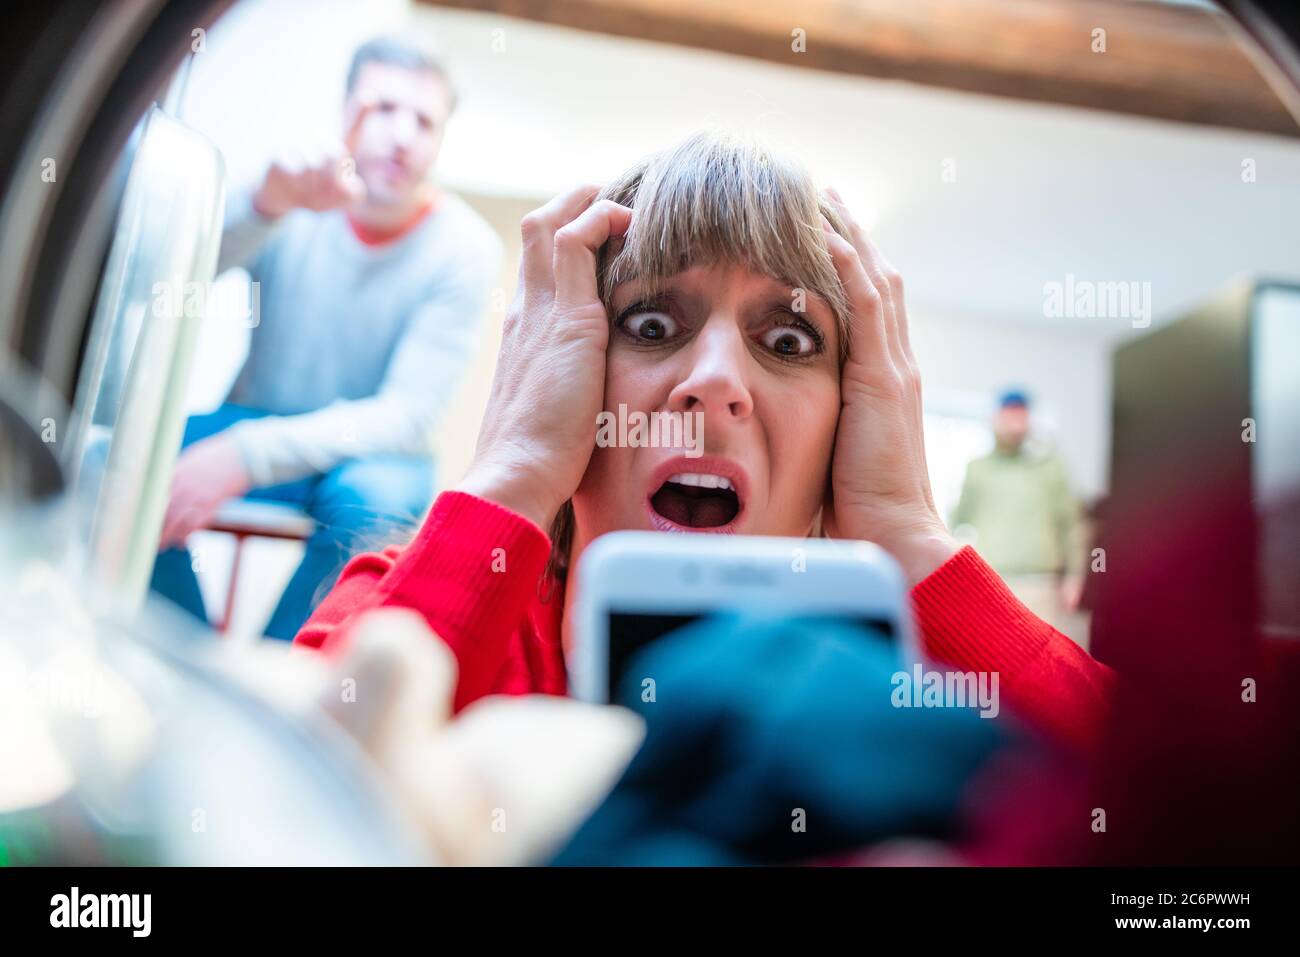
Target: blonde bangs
<point>717,198</point>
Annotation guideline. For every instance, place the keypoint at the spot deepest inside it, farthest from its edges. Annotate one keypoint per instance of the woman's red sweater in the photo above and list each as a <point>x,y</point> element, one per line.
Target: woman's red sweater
<point>474,569</point>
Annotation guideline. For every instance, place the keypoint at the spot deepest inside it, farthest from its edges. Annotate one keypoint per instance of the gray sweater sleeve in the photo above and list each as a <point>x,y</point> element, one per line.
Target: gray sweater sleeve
<point>423,375</point>
<point>245,234</point>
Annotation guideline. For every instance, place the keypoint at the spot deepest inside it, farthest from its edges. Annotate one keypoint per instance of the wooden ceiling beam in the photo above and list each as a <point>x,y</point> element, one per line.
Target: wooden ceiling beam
<point>1164,61</point>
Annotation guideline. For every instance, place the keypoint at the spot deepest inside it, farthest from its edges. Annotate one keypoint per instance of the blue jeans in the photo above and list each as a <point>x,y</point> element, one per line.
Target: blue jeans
<point>360,505</point>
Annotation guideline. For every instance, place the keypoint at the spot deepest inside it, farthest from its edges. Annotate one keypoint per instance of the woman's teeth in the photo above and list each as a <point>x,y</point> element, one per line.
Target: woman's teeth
<point>699,500</point>
<point>700,479</point>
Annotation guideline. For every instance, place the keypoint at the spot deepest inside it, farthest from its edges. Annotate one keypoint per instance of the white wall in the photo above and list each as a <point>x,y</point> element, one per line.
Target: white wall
<point>272,74</point>
<point>1067,374</point>
<point>1040,191</point>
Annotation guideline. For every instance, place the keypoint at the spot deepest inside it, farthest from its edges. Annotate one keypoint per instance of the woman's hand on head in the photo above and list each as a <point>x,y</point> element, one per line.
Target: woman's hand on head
<point>880,486</point>
<point>539,427</point>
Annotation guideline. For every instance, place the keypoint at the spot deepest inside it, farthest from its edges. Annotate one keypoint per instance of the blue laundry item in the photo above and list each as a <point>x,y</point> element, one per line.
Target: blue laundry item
<point>756,721</point>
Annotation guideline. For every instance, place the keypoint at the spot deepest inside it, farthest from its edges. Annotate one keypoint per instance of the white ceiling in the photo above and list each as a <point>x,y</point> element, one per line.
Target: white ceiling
<point>1040,191</point>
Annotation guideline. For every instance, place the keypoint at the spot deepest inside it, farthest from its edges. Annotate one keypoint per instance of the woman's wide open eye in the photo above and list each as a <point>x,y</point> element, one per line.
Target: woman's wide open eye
<point>790,341</point>
<point>648,325</point>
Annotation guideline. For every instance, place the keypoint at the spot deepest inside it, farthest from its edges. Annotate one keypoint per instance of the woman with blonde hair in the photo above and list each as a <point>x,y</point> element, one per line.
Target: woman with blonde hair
<point>714,280</point>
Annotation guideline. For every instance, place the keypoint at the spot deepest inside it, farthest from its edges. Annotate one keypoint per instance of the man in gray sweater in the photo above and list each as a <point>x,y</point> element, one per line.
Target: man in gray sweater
<point>371,285</point>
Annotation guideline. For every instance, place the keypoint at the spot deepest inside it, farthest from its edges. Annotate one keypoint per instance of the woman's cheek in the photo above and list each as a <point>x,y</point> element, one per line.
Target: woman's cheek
<point>604,490</point>
<point>794,422</point>
<point>633,380</point>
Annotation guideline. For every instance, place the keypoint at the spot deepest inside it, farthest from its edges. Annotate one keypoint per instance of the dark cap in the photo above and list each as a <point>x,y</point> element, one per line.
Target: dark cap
<point>1013,398</point>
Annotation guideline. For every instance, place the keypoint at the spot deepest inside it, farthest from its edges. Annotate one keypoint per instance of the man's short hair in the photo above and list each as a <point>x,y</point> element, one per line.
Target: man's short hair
<point>398,53</point>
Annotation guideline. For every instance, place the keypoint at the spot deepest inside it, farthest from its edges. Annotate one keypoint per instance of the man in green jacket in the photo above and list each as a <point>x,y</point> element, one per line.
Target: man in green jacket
<point>1017,509</point>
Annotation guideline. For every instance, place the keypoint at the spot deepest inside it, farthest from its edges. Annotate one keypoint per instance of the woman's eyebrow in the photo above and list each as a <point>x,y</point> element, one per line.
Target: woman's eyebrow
<point>802,303</point>
<point>797,301</point>
<point>668,288</point>
<point>634,292</point>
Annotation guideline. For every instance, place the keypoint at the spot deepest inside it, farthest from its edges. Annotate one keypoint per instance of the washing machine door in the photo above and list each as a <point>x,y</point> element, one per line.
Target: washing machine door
<point>124,736</point>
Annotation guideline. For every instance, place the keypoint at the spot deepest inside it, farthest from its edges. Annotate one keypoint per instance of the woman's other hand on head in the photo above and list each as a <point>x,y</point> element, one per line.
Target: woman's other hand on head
<point>880,485</point>
<point>539,428</point>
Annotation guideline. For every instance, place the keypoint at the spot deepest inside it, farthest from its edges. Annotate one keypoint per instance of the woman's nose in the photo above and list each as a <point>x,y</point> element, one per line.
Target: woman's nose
<point>715,382</point>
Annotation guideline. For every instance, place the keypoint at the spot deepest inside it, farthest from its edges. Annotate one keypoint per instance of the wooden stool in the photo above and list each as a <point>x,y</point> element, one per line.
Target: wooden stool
<point>244,518</point>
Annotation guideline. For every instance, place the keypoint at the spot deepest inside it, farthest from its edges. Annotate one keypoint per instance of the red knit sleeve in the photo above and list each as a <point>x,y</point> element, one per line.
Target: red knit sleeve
<point>968,618</point>
<point>471,570</point>
<point>357,589</point>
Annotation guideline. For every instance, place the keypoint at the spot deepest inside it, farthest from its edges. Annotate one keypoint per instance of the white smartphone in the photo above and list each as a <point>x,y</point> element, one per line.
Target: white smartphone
<point>634,587</point>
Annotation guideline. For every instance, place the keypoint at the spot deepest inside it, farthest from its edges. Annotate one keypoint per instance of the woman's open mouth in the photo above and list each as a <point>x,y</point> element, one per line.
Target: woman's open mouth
<point>705,500</point>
